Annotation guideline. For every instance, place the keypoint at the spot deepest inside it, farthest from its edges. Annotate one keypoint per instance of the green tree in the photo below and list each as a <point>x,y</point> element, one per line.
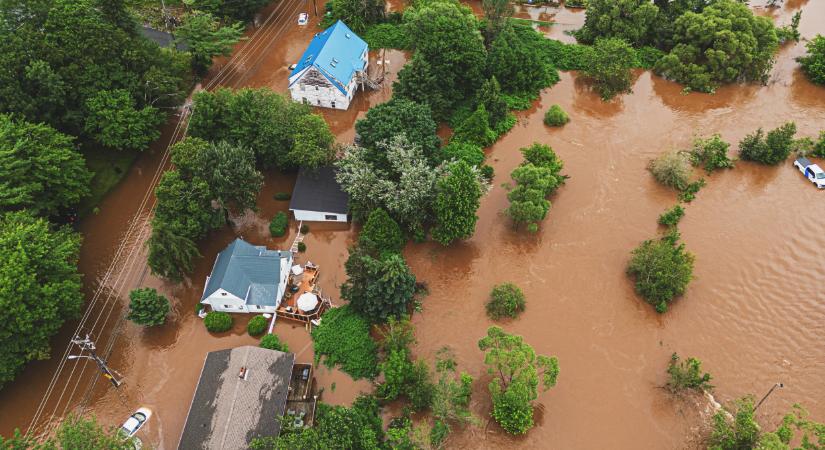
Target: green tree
<point>272,342</point>
<point>403,377</point>
<point>711,153</point>
<point>147,307</point>
<point>452,392</point>
<point>206,38</point>
<point>771,149</point>
<point>497,13</point>
<point>475,129</point>
<point>186,206</point>
<point>171,255</point>
<point>629,20</point>
<point>395,117</point>
<point>687,374</point>
<point>40,169</point>
<point>256,326</point>
<point>556,117</point>
<point>723,43</point>
<point>359,15</point>
<point>39,288</point>
<point>536,178</point>
<point>740,433</point>
<point>513,62</point>
<point>343,338</point>
<point>661,269</point>
<point>472,154</point>
<point>518,372</point>
<point>381,234</point>
<point>672,169</point>
<point>490,96</point>
<point>506,300</point>
<point>378,288</point>
<point>457,199</point>
<point>419,82</point>
<point>228,169</point>
<point>672,216</point>
<point>236,9</point>
<point>813,63</point>
<point>86,434</point>
<point>313,143</point>
<point>115,121</point>
<point>608,66</point>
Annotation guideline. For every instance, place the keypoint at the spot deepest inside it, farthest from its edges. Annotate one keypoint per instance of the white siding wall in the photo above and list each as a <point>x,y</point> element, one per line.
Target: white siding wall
<point>316,216</point>
<point>233,304</point>
<point>324,97</point>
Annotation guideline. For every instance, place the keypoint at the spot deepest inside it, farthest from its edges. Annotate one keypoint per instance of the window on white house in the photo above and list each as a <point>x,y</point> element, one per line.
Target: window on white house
<point>304,99</point>
<point>333,103</point>
<point>316,88</point>
<point>330,217</point>
<point>226,306</point>
<point>319,102</point>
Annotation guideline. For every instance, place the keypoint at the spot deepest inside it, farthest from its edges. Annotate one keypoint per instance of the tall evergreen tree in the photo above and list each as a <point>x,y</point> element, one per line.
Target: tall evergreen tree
<point>456,202</point>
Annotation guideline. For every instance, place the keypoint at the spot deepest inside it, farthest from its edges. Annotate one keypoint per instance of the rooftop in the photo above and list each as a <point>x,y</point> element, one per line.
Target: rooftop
<point>336,53</point>
<point>317,190</point>
<point>243,268</point>
<point>227,411</point>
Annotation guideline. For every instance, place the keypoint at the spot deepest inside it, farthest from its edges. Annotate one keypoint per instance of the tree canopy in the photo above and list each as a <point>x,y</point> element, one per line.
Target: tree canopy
<point>395,117</point>
<point>147,307</point>
<point>457,198</point>
<point>536,178</point>
<point>813,63</point>
<point>661,269</point>
<point>378,288</point>
<point>207,38</point>
<point>381,234</point>
<point>608,66</point>
<point>39,288</point>
<point>629,20</point>
<point>40,169</point>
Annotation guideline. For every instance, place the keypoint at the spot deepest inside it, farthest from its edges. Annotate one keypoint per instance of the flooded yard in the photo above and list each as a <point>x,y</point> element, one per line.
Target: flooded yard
<point>755,314</point>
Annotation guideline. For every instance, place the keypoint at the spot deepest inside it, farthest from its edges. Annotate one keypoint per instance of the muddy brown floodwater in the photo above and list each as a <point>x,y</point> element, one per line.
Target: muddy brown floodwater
<point>753,315</point>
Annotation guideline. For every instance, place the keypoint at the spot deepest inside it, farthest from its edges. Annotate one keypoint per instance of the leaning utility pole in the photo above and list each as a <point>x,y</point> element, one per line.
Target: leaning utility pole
<point>88,345</point>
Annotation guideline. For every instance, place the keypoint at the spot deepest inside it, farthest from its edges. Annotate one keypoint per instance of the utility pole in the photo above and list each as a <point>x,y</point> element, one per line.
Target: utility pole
<point>89,345</point>
<point>315,7</point>
<point>777,385</point>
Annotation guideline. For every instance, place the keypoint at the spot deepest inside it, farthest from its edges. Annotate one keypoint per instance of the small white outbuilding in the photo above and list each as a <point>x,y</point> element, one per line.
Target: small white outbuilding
<point>317,197</point>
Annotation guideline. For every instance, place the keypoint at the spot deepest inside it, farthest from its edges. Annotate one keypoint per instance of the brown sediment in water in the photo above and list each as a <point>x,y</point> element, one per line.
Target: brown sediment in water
<point>753,314</point>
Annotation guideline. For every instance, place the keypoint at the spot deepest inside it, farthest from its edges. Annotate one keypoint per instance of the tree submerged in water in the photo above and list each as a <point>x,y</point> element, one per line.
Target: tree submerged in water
<point>661,269</point>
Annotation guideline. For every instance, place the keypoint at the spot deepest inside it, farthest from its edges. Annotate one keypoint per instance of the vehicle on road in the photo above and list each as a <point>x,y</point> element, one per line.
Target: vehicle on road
<point>812,171</point>
<point>303,18</point>
<point>136,421</point>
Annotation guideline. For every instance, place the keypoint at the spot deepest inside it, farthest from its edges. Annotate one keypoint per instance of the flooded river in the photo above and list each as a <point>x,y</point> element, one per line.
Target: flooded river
<point>755,314</point>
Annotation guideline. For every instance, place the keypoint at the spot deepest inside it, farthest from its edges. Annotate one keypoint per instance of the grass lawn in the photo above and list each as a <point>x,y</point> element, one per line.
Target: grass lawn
<point>109,167</point>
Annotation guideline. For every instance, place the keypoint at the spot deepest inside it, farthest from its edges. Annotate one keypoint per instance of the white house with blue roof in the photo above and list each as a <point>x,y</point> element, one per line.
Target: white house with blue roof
<point>328,73</point>
<point>247,278</point>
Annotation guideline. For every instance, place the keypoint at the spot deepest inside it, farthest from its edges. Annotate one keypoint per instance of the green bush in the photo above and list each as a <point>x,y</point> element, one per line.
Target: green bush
<point>672,169</point>
<point>771,149</point>
<point>438,433</point>
<point>476,129</point>
<point>218,321</point>
<point>536,178</point>
<point>575,3</point>
<point>343,338</point>
<point>740,433</point>
<point>147,307</point>
<point>272,342</point>
<point>661,269</point>
<point>506,300</point>
<point>813,63</point>
<point>608,67</point>
<point>282,196</point>
<point>687,374</point>
<point>381,234</point>
<point>256,326</point>
<point>302,247</point>
<point>304,229</point>
<point>819,146</point>
<point>387,35</point>
<point>472,154</point>
<point>672,216</point>
<point>277,227</point>
<point>711,153</point>
<point>487,172</point>
<point>555,116</point>
<point>689,193</point>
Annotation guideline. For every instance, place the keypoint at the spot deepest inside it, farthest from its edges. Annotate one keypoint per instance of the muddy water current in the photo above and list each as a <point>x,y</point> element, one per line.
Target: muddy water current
<point>755,314</point>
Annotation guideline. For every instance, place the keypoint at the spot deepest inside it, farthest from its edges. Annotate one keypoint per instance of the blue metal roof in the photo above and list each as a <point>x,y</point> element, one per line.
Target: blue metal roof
<point>336,53</point>
<point>242,267</point>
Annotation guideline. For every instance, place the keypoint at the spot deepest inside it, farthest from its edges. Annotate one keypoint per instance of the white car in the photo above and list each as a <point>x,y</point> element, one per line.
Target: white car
<point>812,172</point>
<point>303,19</point>
<point>135,422</point>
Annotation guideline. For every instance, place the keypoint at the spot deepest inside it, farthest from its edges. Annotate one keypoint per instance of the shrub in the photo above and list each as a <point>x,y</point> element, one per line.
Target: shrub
<point>813,63</point>
<point>506,300</point>
<point>438,433</point>
<point>662,270</point>
<point>218,321</point>
<point>608,66</point>
<point>381,234</point>
<point>740,433</point>
<point>282,196</point>
<point>687,374</point>
<point>343,338</point>
<point>771,149</point>
<point>819,146</point>
<point>711,153</point>
<point>256,326</point>
<point>273,342</point>
<point>277,227</point>
<point>476,129</point>
<point>671,169</point>
<point>488,172</point>
<point>387,35</point>
<point>463,151</point>
<point>689,194</point>
<point>672,216</point>
<point>304,229</point>
<point>302,247</point>
<point>147,307</point>
<point>555,116</point>
<point>536,178</point>
<point>404,377</point>
<point>575,3</point>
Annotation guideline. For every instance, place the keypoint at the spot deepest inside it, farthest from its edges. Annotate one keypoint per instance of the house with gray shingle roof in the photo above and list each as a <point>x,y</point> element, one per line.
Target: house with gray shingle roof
<point>241,394</point>
<point>247,278</point>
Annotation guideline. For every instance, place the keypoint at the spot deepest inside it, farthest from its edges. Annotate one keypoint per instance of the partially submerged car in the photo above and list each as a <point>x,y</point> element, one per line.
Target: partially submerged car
<point>135,422</point>
<point>303,18</point>
<point>812,171</point>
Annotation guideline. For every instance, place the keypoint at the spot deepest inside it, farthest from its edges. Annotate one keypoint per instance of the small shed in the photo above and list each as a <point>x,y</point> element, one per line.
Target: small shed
<point>241,394</point>
<point>318,197</point>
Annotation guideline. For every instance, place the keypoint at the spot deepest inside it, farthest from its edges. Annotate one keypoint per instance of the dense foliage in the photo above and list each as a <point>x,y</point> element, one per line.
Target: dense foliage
<point>147,307</point>
<point>512,61</point>
<point>218,321</point>
<point>381,234</point>
<point>662,269</point>
<point>343,338</point>
<point>629,20</point>
<point>672,216</point>
<point>687,374</point>
<point>256,326</point>
<point>741,432</point>
<point>39,288</point>
<point>462,151</point>
<point>556,117</point>
<point>608,67</point>
<point>395,117</point>
<point>278,224</point>
<point>76,433</point>
<point>451,396</point>
<point>710,153</point>
<point>536,178</point>
<point>771,149</point>
<point>40,168</point>
<point>404,377</point>
<point>205,38</point>
<point>517,373</point>
<point>457,197</point>
<point>358,14</point>
<point>672,169</point>
<point>813,63</point>
<point>378,287</point>
<point>506,300</point>
<point>273,342</point>
<point>273,126</point>
<point>236,9</point>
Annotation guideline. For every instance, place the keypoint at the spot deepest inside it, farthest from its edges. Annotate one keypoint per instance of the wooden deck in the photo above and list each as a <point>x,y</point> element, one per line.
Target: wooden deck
<point>288,308</point>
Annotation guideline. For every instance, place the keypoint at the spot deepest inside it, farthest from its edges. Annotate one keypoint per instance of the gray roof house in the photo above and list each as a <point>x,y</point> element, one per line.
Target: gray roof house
<point>247,278</point>
<point>317,196</point>
<point>240,395</point>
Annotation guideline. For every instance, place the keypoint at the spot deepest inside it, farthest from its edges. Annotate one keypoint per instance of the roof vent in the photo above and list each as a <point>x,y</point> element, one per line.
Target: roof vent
<point>335,60</point>
<point>348,35</point>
